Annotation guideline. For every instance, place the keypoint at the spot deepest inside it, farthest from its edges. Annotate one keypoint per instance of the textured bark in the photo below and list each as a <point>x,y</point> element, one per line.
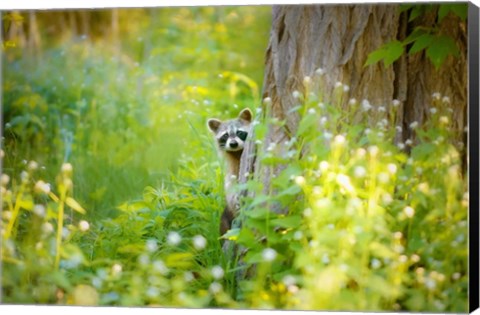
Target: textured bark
<point>338,38</point>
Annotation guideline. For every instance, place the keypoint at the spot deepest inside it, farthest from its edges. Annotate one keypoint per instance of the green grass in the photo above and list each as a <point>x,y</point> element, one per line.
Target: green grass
<point>135,222</point>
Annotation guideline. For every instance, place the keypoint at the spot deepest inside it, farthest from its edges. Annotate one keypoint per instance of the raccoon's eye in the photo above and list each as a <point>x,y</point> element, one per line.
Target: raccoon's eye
<point>224,137</point>
<point>242,134</point>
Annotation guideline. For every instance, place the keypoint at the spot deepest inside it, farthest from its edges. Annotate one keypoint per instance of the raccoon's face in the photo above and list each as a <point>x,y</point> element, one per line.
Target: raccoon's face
<point>231,134</point>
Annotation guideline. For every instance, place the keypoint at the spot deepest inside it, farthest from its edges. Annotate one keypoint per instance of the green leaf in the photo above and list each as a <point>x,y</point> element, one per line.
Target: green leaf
<point>306,123</point>
<point>292,221</point>
<point>421,43</point>
<point>440,49</point>
<point>132,206</point>
<point>393,51</point>
<point>417,32</point>
<point>374,57</point>
<point>388,53</point>
<point>405,7</point>
<point>231,234</point>
<point>460,10</point>
<point>72,203</point>
<point>416,12</point>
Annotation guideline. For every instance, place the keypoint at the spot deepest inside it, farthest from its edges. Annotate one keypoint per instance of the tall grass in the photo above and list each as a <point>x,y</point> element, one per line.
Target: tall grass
<point>112,188</point>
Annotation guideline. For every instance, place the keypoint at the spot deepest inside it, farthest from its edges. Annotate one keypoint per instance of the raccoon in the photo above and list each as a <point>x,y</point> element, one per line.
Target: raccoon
<point>230,136</point>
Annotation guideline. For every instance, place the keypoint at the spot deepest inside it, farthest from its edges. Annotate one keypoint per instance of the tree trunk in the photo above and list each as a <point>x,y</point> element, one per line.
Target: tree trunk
<point>338,39</point>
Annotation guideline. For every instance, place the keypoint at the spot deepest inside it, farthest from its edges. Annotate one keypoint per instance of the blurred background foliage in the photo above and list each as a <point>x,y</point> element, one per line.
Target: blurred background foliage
<point>122,93</point>
<point>112,187</point>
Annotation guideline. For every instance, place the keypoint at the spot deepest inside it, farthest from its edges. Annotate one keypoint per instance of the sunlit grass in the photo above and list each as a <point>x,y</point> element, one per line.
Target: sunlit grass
<point>112,188</point>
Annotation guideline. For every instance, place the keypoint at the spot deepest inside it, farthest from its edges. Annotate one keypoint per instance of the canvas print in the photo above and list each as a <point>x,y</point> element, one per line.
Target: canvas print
<point>300,157</point>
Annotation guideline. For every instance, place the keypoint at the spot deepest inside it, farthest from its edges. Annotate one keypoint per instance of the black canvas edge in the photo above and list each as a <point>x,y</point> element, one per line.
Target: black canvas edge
<point>473,135</point>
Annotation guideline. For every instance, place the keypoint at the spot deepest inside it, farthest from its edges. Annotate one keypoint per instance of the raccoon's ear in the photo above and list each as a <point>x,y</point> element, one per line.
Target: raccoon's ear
<point>246,114</point>
<point>213,124</point>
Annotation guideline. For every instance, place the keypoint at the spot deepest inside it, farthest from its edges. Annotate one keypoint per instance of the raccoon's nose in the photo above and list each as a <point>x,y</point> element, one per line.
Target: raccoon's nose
<point>233,144</point>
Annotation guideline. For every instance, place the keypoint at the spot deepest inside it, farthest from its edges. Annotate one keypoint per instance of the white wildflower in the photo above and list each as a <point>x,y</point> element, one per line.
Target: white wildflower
<point>383,178</point>
<point>366,105</point>
<point>359,172</point>
<point>396,103</point>
<point>297,235</point>
<point>269,254</point>
<point>217,272</point>
<point>323,120</point>
<point>339,140</point>
<point>151,245</point>
<point>42,187</point>
<point>296,94</point>
<point>387,198</point>
<point>413,125</point>
<point>430,283</point>
<point>352,102</point>
<point>39,210</point>
<point>116,269</point>
<point>398,235</point>
<point>67,168</point>
<point>409,211</point>
<point>327,135</point>
<point>361,152</point>
<point>373,150</point>
<point>24,176</point>
<point>321,105</point>
<point>446,99</point>
<point>392,168</point>
<point>307,80</point>
<point>325,259</point>
<point>323,166</point>
<point>289,280</point>
<point>32,165</point>
<point>444,120</point>
<point>143,259</point>
<point>173,238</point>
<point>47,228</point>
<point>436,96</point>
<point>215,287</point>
<point>344,182</point>
<point>188,276</point>
<point>398,128</point>
<point>307,212</point>
<point>4,179</point>
<point>409,142</point>
<point>312,111</point>
<point>375,263</point>
<point>346,88</point>
<point>433,110</point>
<point>382,109</point>
<point>199,242</point>
<point>415,258</point>
<point>338,84</point>
<point>320,71</point>
<point>300,180</point>
<point>152,292</point>
<point>83,225</point>
<point>160,267</point>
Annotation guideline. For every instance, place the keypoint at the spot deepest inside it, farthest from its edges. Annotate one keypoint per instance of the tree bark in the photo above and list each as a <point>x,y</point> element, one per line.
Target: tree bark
<point>338,39</point>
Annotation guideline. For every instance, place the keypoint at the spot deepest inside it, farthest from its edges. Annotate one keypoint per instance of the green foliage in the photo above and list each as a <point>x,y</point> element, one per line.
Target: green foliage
<point>363,225</point>
<point>429,39</point>
<point>388,53</point>
<point>114,190</point>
